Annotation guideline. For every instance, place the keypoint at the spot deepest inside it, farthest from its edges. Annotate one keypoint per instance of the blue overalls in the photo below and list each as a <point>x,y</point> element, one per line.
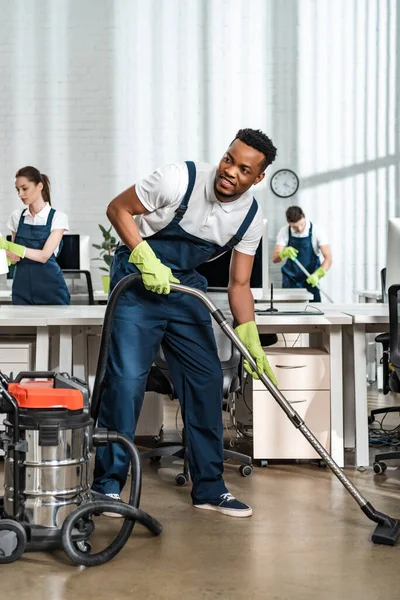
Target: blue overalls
<point>292,276</point>
<point>144,320</point>
<point>35,282</point>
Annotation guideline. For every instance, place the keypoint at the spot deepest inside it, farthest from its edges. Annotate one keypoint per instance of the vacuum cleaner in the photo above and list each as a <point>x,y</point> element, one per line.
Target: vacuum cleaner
<point>387,530</point>
<point>48,441</point>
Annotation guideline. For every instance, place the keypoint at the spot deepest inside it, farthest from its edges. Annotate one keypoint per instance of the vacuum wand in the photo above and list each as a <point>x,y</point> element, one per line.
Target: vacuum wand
<point>302,268</point>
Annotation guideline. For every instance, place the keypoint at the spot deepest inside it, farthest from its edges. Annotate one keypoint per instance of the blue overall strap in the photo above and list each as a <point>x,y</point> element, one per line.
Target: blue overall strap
<point>21,219</point>
<point>50,217</point>
<point>240,232</point>
<point>182,208</point>
<point>244,226</point>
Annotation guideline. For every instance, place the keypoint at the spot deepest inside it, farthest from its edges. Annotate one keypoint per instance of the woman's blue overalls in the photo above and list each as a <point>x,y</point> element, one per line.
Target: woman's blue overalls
<point>35,282</point>
<point>292,276</point>
<point>182,323</point>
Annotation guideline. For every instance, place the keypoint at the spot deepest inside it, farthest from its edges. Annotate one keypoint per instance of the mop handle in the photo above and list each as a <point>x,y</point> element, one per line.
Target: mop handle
<point>298,263</point>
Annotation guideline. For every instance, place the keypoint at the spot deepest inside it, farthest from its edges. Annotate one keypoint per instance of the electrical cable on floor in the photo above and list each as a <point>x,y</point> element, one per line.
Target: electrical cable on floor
<point>379,436</point>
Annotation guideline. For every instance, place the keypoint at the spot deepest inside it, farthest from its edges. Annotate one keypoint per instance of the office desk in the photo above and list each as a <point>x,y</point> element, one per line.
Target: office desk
<point>69,321</point>
<point>366,318</point>
<point>77,298</point>
<point>22,320</point>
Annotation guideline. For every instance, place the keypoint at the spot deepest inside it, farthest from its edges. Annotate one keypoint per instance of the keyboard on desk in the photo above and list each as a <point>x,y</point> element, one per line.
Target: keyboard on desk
<point>289,313</point>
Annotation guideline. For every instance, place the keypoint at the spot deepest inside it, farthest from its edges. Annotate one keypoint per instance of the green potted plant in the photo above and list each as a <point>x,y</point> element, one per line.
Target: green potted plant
<point>107,249</point>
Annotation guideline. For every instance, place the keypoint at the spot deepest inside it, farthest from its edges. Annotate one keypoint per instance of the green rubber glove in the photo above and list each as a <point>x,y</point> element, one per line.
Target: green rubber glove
<point>16,249</point>
<point>248,335</point>
<point>288,252</point>
<point>155,276</point>
<point>316,276</point>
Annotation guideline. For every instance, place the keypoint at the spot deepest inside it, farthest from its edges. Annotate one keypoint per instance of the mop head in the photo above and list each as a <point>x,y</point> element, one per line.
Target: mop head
<point>387,534</point>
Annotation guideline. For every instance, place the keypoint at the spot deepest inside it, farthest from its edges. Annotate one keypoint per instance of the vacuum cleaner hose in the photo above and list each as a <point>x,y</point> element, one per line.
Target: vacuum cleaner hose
<point>130,511</point>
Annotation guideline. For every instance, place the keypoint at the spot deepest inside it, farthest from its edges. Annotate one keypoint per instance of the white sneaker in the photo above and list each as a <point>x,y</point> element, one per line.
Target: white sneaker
<point>112,514</point>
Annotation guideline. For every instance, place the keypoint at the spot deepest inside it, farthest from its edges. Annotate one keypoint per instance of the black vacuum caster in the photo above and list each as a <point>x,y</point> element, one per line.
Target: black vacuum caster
<point>246,470</point>
<point>83,546</point>
<point>181,479</point>
<point>12,541</point>
<point>263,463</point>
<point>155,459</point>
<point>379,467</point>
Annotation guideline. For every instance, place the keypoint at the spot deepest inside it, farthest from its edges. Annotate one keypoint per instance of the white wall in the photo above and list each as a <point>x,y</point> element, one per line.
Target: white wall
<point>97,93</point>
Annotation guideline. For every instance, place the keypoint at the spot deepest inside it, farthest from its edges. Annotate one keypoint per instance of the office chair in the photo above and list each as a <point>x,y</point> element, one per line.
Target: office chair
<point>393,376</point>
<point>88,278</point>
<point>159,381</point>
<point>383,338</point>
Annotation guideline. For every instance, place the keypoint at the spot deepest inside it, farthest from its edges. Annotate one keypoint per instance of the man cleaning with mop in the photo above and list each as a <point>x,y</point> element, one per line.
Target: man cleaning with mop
<point>302,241</point>
<point>171,222</point>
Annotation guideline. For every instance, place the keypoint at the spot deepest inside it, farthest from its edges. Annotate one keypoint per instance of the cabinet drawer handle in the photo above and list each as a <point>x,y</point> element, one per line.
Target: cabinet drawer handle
<point>296,401</point>
<point>291,366</point>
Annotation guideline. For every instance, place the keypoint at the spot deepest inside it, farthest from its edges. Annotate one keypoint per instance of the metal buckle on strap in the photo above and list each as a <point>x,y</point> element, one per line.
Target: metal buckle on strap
<point>180,211</point>
<point>234,241</point>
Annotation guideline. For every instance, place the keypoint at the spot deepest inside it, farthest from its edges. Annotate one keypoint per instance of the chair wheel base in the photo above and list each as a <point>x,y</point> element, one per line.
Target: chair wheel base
<point>181,479</point>
<point>379,467</point>
<point>246,470</point>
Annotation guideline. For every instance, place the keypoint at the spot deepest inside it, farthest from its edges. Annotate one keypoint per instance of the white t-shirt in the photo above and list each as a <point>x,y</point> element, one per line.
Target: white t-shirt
<point>318,236</point>
<point>60,219</point>
<point>206,217</point>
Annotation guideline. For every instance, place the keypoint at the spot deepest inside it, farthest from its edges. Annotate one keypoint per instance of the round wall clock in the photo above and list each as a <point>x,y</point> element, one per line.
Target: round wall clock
<point>284,183</point>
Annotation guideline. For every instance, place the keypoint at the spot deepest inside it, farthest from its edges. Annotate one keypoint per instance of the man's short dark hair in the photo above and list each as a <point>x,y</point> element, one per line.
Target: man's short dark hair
<point>294,214</point>
<point>258,140</point>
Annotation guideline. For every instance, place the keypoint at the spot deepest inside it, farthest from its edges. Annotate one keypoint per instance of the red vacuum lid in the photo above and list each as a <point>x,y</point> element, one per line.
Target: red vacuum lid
<point>42,394</point>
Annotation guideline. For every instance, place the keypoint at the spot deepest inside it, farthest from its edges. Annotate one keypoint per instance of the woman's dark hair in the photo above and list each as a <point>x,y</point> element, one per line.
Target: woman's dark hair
<point>294,214</point>
<point>34,175</point>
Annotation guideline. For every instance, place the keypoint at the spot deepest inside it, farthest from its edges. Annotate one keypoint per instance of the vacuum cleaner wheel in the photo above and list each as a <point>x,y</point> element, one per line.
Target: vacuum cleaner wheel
<point>12,541</point>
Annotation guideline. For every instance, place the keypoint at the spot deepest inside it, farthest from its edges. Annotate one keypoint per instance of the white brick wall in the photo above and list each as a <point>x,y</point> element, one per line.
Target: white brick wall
<point>96,93</point>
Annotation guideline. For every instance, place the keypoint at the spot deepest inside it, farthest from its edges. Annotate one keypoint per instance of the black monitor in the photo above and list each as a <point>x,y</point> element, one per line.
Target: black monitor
<point>69,257</point>
<point>217,271</point>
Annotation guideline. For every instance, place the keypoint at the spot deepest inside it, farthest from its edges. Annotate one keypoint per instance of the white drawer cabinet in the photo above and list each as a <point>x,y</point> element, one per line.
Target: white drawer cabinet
<point>276,437</point>
<point>298,369</point>
<point>304,379</point>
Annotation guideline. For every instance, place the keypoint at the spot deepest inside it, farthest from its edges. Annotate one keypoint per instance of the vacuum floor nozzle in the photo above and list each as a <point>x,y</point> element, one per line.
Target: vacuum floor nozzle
<point>386,534</point>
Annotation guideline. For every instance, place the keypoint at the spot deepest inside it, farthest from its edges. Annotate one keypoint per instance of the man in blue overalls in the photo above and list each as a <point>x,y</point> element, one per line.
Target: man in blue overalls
<point>171,222</point>
<point>304,241</point>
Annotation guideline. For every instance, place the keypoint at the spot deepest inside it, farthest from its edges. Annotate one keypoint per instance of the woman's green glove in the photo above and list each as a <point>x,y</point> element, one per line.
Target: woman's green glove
<point>288,252</point>
<point>316,276</point>
<point>248,335</point>
<point>156,276</point>
<point>16,249</point>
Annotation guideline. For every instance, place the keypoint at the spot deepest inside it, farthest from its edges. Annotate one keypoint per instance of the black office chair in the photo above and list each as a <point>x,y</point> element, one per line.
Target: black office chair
<point>159,381</point>
<point>393,375</point>
<point>88,278</point>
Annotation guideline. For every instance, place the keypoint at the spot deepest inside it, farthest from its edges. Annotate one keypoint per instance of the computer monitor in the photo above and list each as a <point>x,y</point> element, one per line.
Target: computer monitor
<point>217,271</point>
<point>75,252</point>
<point>393,253</point>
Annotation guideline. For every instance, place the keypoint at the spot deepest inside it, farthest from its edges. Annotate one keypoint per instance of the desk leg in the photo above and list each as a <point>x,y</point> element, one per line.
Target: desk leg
<point>79,342</point>
<point>360,392</point>
<point>66,349</point>
<point>42,349</point>
<point>349,388</point>
<point>335,345</point>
